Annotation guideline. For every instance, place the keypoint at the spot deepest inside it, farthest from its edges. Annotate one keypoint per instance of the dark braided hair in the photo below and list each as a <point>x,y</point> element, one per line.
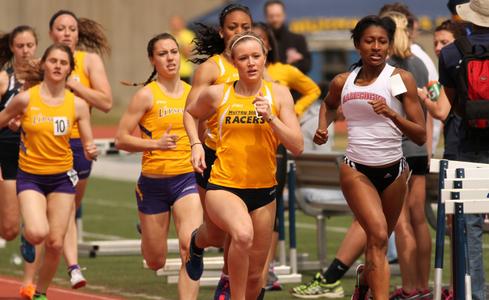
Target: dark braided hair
<point>208,41</point>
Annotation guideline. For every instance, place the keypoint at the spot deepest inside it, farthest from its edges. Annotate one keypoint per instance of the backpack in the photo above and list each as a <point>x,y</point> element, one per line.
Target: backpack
<point>472,82</point>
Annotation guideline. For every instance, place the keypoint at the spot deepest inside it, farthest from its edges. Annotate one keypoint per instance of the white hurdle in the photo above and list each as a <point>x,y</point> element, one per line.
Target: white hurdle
<point>463,189</point>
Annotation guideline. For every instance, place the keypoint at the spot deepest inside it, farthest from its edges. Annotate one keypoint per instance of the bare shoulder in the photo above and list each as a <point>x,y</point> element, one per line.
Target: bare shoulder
<point>206,73</point>
<point>339,80</point>
<point>3,82</point>
<point>214,91</point>
<point>93,58</point>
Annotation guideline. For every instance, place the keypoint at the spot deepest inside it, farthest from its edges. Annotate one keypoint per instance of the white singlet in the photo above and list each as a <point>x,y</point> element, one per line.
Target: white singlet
<point>373,139</point>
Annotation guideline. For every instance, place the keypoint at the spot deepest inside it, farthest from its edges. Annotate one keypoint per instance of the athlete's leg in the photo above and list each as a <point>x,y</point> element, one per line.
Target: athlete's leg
<point>70,249</point>
<point>33,208</point>
<point>59,206</point>
<point>353,244</point>
<point>263,219</point>
<point>371,213</point>
<point>187,214</point>
<point>154,233</point>
<point>416,203</point>
<point>406,248</point>
<point>230,214</point>
<point>9,210</point>
<point>212,236</point>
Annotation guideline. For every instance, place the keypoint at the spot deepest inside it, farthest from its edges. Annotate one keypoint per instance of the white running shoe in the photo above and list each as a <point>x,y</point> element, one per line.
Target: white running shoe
<point>76,278</point>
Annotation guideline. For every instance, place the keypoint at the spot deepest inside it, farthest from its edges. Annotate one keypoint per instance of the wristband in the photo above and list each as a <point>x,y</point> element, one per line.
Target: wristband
<point>192,145</point>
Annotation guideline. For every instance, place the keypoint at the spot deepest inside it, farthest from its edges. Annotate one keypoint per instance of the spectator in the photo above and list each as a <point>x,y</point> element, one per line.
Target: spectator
<point>474,142</point>
<point>184,39</point>
<point>292,47</point>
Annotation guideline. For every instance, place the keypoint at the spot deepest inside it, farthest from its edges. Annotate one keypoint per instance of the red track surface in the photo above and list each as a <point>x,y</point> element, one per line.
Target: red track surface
<point>9,289</point>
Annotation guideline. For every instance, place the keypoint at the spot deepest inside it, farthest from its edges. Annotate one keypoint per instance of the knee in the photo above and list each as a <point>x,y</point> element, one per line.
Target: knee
<point>378,239</point>
<point>255,279</point>
<point>55,245</point>
<point>243,239</point>
<point>155,263</point>
<point>36,235</point>
<point>10,232</point>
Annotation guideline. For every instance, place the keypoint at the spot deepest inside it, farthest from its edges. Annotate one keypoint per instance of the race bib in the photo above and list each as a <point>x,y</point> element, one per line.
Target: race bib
<point>73,176</point>
<point>60,125</point>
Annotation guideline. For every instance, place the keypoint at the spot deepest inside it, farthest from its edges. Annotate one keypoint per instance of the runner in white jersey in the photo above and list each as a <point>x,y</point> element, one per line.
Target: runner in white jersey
<point>380,104</point>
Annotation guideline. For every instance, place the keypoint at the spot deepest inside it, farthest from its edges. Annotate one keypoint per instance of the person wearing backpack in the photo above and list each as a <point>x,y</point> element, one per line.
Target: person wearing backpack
<point>469,94</point>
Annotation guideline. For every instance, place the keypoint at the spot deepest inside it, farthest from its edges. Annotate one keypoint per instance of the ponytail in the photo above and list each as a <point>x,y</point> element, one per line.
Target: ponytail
<point>91,37</point>
<point>208,42</point>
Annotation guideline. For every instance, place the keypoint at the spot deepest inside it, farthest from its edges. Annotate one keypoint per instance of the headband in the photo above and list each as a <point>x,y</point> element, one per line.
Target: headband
<point>246,36</point>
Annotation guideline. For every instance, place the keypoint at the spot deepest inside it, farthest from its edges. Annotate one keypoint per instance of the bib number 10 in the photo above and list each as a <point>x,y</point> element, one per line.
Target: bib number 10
<point>60,125</point>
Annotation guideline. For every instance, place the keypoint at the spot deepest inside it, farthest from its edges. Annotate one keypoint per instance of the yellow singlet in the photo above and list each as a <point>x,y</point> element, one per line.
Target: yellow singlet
<point>79,75</point>
<point>227,73</point>
<point>166,111</point>
<point>45,135</point>
<point>246,144</point>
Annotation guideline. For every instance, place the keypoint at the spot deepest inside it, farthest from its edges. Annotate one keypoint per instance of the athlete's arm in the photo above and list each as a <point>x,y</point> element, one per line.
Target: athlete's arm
<point>199,111</point>
<point>205,75</point>
<point>82,116</point>
<point>309,90</point>
<point>141,103</point>
<point>413,125</point>
<point>16,107</point>
<point>285,125</point>
<point>3,83</point>
<point>100,93</point>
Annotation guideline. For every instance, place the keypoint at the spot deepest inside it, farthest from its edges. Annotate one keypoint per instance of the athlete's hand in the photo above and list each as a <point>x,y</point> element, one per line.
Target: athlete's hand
<point>167,141</point>
<point>381,108</point>
<point>198,158</point>
<point>91,151</point>
<point>14,124</point>
<point>262,106</point>
<point>321,136</point>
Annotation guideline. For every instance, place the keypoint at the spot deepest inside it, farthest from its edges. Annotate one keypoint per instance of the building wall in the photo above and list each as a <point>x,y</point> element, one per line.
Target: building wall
<point>129,25</point>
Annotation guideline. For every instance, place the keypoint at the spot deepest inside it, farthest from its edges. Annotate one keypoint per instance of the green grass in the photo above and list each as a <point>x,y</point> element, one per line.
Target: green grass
<point>110,208</point>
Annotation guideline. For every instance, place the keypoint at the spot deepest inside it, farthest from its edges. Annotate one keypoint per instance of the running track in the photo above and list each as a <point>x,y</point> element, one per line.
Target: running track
<point>9,289</point>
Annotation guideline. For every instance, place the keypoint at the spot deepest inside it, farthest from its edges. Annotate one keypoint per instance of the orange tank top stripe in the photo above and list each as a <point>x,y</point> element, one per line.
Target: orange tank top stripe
<point>45,135</point>
<point>227,73</point>
<point>166,111</point>
<point>246,144</point>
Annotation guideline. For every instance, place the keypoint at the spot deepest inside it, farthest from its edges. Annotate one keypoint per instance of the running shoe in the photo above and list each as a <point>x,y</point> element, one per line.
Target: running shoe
<point>425,294</point>
<point>27,291</point>
<point>361,292</point>
<point>400,294</point>
<point>195,262</point>
<point>40,297</point>
<point>273,284</point>
<point>318,288</point>
<point>446,294</point>
<point>223,290</point>
<point>27,250</point>
<point>76,278</point>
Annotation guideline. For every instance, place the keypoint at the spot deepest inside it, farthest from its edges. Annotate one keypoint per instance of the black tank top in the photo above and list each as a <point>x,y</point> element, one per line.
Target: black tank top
<point>7,135</point>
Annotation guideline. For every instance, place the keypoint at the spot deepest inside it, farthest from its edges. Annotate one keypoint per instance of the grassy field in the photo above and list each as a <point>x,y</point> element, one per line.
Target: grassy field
<point>109,208</point>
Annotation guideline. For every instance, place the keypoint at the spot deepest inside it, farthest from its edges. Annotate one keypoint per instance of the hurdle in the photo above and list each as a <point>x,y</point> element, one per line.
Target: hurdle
<point>463,189</point>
